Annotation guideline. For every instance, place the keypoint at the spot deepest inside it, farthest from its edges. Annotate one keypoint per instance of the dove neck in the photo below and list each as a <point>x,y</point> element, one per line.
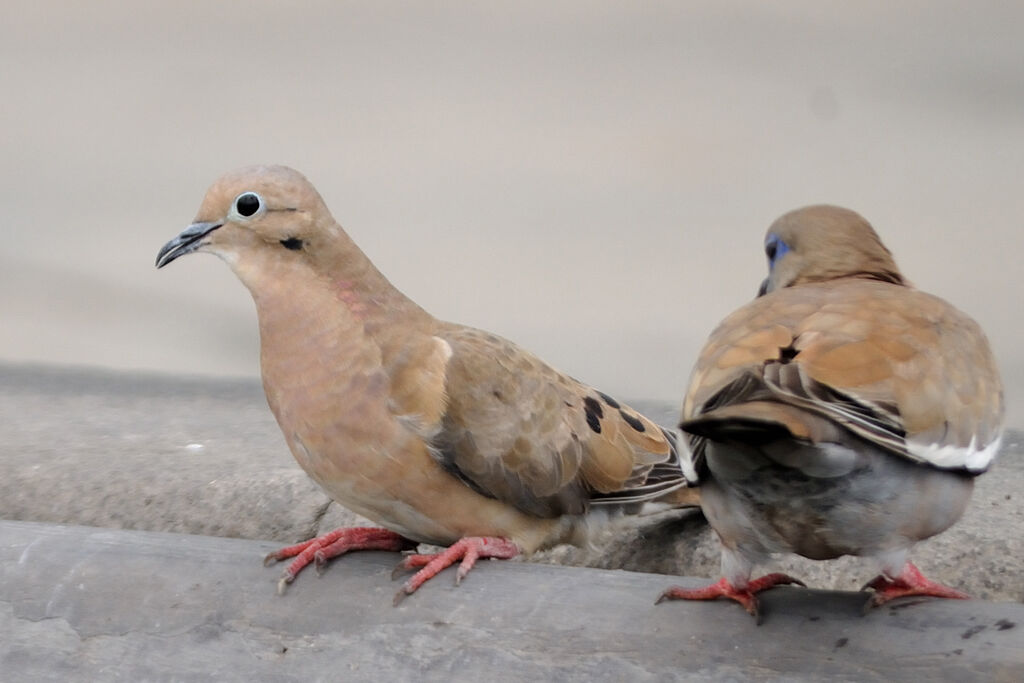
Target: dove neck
<point>365,292</point>
<point>333,293</point>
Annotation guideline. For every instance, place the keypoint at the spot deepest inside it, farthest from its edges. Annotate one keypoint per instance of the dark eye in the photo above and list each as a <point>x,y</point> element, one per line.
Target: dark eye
<point>774,249</point>
<point>247,204</point>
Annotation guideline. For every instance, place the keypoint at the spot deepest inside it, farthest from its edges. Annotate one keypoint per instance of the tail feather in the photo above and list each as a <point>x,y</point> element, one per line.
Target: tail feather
<point>664,483</point>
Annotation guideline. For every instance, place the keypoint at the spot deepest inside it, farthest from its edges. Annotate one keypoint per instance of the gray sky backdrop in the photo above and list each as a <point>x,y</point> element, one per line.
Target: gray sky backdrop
<point>590,179</point>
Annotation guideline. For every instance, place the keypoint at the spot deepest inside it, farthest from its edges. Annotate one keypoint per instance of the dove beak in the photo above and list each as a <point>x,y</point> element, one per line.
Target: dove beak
<point>190,239</point>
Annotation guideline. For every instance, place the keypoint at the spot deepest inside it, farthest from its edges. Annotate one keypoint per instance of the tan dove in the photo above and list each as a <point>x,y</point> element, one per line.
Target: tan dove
<point>842,412</point>
<point>441,433</point>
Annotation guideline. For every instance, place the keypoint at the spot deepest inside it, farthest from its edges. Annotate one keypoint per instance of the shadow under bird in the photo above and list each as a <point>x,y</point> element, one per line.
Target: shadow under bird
<point>842,412</point>
<point>441,433</point>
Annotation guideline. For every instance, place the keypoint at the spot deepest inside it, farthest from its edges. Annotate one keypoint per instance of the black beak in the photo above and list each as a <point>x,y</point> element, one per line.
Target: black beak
<point>190,239</point>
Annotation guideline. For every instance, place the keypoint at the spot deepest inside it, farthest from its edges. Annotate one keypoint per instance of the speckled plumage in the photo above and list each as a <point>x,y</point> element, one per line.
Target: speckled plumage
<point>842,411</point>
<point>435,430</point>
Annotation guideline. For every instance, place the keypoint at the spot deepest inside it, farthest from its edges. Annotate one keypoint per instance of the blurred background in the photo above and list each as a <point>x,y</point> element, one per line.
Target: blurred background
<point>590,179</point>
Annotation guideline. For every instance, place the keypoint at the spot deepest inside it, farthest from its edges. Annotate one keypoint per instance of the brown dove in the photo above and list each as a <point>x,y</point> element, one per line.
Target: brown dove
<point>441,433</point>
<point>842,412</point>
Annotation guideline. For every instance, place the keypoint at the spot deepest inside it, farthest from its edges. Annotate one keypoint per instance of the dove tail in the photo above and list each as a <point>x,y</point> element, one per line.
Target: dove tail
<point>664,483</point>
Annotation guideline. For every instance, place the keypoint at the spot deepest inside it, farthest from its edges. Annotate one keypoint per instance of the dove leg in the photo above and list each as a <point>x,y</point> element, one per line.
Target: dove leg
<point>910,581</point>
<point>468,550</point>
<point>746,596</point>
<point>337,542</point>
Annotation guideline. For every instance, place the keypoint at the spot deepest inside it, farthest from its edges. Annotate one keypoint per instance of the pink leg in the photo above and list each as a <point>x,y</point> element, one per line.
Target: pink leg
<point>337,542</point>
<point>723,589</point>
<point>468,549</point>
<point>910,581</point>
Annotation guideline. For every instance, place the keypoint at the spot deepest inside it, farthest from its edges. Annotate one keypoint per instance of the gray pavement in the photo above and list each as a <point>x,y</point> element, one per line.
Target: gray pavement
<point>204,456</point>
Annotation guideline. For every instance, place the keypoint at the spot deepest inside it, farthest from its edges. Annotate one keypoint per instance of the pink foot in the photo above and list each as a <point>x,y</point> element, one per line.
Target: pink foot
<point>723,589</point>
<point>337,542</point>
<point>468,549</point>
<point>910,581</point>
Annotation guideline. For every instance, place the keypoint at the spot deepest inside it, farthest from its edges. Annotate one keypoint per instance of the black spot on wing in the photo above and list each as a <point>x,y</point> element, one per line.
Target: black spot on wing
<point>593,421</point>
<point>609,400</point>
<point>592,406</point>
<point>632,421</point>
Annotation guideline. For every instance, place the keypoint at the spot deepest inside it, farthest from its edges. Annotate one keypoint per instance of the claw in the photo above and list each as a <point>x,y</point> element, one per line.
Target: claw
<point>399,596</point>
<point>399,569</point>
<point>320,562</point>
<point>409,563</point>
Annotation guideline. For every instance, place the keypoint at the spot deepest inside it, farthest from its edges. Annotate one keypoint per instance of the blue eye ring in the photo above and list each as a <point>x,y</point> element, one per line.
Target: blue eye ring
<point>774,249</point>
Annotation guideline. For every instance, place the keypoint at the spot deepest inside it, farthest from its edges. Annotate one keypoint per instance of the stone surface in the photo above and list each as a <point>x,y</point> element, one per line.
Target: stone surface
<point>205,456</point>
<point>109,605</point>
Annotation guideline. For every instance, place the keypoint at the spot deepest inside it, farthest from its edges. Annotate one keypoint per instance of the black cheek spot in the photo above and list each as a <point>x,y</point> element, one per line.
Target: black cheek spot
<point>293,243</point>
<point>593,422</point>
<point>609,400</point>
<point>633,422</point>
<point>592,406</point>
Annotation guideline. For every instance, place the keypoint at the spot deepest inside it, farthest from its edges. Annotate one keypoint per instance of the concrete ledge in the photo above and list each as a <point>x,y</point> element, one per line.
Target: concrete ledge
<point>94,604</point>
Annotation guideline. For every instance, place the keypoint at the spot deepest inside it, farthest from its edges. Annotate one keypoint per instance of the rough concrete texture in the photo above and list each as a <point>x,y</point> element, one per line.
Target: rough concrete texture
<point>205,457</point>
<point>105,605</point>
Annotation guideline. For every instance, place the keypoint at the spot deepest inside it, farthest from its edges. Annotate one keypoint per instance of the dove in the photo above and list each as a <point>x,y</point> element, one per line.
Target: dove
<point>841,412</point>
<point>440,433</point>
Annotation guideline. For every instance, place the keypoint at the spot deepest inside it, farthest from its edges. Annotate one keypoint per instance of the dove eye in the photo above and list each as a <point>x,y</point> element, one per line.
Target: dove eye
<point>248,204</point>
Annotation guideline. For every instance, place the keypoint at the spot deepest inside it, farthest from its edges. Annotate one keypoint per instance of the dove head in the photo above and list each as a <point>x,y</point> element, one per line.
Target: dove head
<point>269,224</point>
<point>259,214</point>
<point>820,243</point>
